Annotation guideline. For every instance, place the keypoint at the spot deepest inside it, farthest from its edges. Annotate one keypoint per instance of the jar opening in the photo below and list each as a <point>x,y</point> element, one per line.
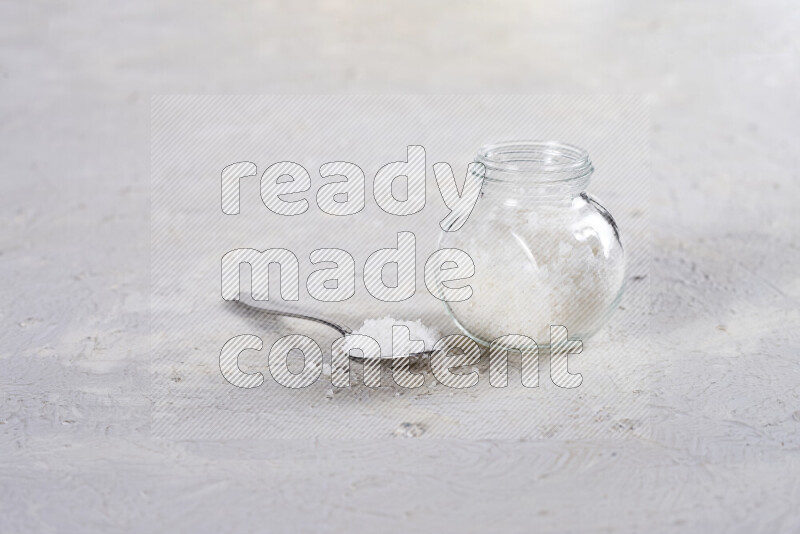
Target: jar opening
<point>534,161</point>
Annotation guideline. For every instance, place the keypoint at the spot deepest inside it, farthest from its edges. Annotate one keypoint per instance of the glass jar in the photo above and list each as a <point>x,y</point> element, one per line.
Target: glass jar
<point>545,252</point>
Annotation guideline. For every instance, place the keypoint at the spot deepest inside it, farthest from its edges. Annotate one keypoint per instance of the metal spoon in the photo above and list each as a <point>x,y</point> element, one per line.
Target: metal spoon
<point>279,308</point>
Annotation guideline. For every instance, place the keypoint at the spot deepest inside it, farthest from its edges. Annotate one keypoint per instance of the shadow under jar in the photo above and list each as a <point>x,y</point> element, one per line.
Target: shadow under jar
<point>545,252</point>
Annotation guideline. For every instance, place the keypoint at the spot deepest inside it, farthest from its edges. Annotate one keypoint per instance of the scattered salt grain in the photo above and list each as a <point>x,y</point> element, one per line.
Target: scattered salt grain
<point>409,430</point>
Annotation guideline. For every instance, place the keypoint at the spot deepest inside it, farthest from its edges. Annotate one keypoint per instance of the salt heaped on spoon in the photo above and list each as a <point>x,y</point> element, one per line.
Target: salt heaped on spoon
<point>381,331</point>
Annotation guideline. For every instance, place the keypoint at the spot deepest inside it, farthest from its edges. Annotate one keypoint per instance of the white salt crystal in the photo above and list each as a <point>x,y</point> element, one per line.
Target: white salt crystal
<point>381,331</point>
<point>533,270</point>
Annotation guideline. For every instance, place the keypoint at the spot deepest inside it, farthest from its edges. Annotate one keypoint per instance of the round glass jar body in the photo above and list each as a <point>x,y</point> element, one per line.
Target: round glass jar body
<point>545,252</point>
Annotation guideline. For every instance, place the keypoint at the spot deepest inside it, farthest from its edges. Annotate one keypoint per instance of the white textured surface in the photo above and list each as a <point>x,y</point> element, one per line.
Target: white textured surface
<point>723,454</point>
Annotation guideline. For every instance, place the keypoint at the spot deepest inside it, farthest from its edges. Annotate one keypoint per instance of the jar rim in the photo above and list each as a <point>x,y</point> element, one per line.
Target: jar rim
<point>536,161</point>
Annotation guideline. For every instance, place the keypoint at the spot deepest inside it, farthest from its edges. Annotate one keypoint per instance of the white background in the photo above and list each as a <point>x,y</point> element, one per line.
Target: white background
<point>723,381</point>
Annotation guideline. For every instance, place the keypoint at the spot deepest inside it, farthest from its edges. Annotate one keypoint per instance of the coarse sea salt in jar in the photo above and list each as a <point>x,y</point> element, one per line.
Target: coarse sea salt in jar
<point>545,252</point>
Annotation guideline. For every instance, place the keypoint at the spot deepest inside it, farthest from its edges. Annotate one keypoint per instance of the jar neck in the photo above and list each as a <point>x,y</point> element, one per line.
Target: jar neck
<point>525,172</point>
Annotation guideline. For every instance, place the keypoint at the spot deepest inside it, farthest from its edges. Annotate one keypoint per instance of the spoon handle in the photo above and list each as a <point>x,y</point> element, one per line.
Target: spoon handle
<point>280,308</point>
